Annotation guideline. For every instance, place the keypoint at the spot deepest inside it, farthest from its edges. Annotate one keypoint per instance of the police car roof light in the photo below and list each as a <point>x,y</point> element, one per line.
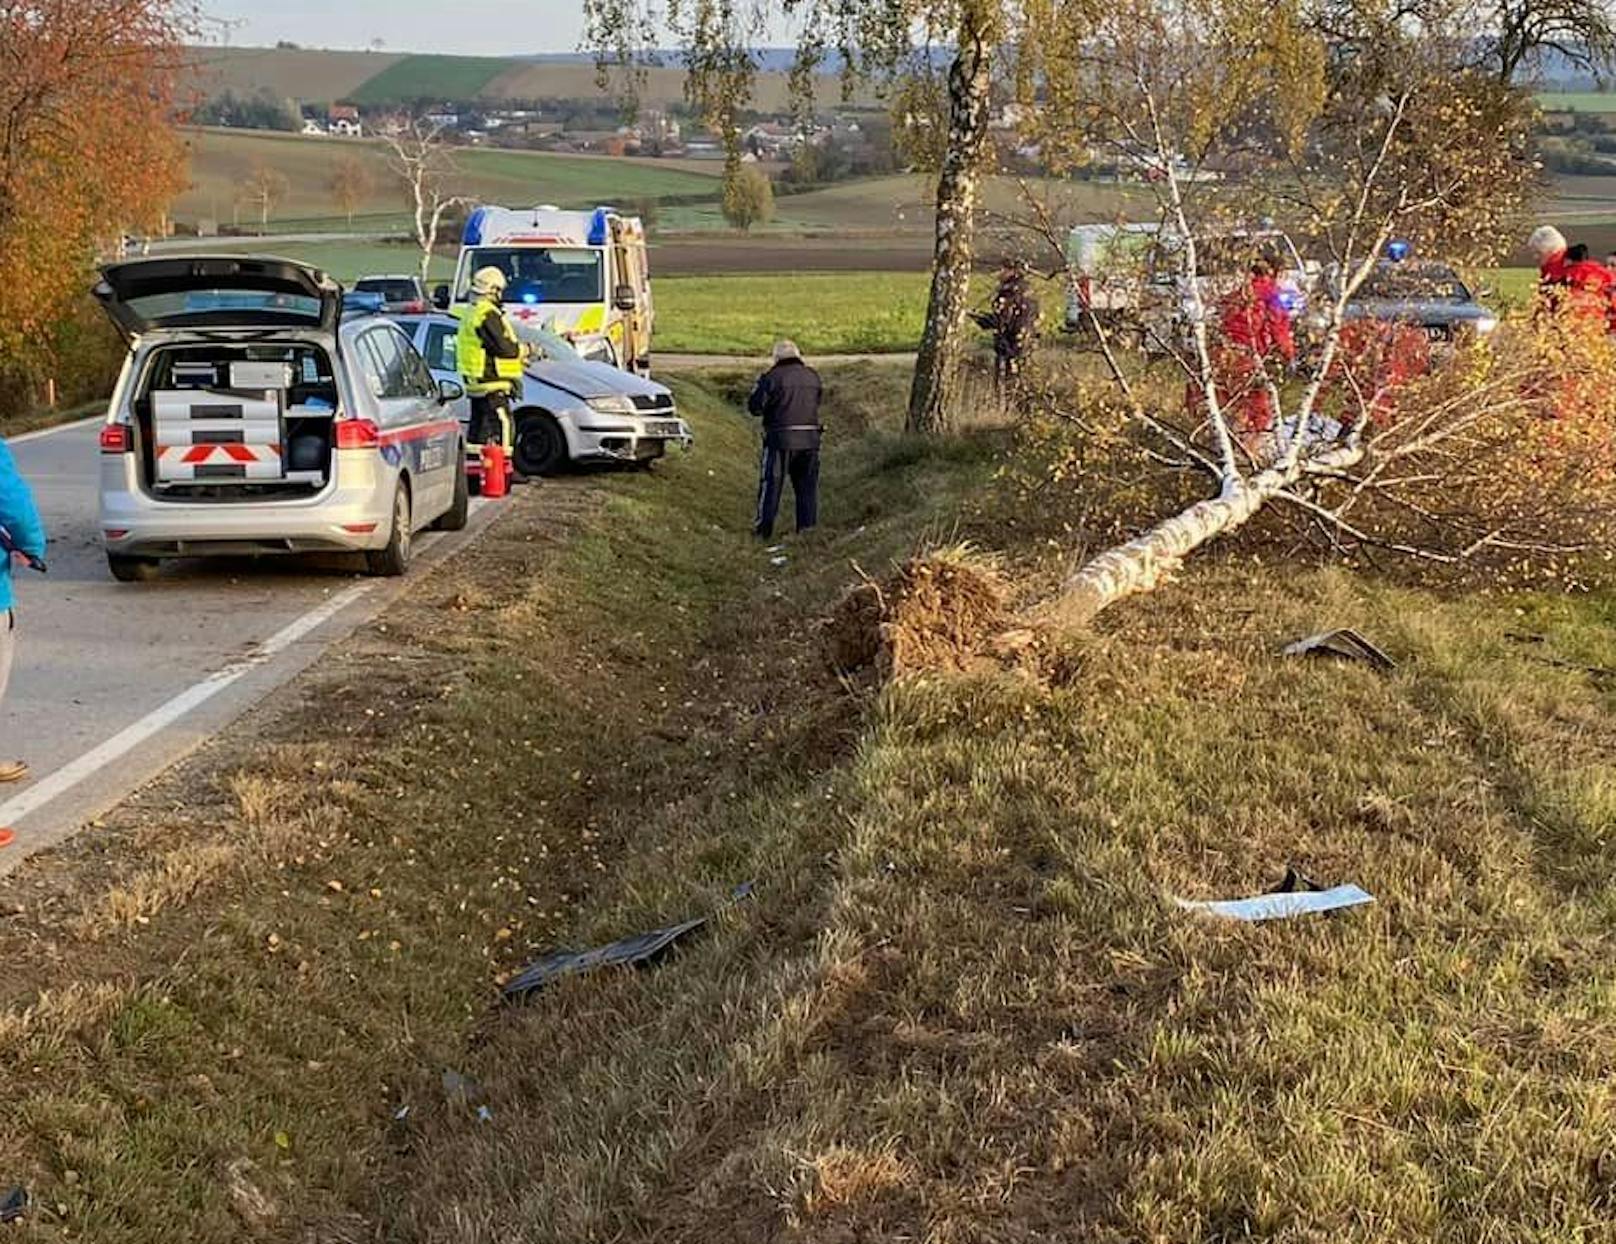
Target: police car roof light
<point>1397,251</point>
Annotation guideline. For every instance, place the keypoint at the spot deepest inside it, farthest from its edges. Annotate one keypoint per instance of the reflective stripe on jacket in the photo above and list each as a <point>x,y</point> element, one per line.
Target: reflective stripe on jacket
<point>487,351</point>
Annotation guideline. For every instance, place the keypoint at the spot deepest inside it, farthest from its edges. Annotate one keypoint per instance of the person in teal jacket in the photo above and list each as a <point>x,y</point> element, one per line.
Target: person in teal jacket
<point>22,540</point>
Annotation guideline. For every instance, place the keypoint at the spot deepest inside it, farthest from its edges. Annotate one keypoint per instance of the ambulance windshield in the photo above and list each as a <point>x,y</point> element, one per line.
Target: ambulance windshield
<point>541,274</point>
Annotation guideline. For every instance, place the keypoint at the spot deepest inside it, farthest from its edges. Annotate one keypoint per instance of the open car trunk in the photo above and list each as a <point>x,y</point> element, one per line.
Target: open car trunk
<point>234,421</point>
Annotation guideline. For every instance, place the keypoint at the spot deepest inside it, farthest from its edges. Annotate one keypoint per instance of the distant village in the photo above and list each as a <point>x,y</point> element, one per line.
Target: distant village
<point>865,136</point>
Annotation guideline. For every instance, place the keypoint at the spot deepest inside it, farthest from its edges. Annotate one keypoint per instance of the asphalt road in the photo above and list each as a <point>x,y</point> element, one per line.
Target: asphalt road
<point>114,682</point>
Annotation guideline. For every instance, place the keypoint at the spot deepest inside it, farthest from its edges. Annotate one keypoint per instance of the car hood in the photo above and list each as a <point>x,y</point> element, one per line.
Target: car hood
<point>585,379</point>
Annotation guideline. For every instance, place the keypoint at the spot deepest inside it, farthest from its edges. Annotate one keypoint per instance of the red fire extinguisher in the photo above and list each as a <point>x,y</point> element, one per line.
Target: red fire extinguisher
<point>496,471</point>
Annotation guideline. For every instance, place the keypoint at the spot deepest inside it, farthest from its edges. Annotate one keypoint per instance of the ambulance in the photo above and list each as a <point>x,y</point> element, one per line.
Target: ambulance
<point>582,275</point>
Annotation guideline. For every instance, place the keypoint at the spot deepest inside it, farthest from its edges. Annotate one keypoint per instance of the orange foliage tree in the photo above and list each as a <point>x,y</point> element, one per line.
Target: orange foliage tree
<point>87,150</point>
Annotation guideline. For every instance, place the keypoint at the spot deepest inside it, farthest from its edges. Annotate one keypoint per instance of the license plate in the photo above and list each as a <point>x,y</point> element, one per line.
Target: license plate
<point>663,427</point>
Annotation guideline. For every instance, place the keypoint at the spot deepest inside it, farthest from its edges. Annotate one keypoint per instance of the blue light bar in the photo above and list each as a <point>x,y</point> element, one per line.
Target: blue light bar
<point>1398,251</point>
<point>473,235</point>
<point>597,226</point>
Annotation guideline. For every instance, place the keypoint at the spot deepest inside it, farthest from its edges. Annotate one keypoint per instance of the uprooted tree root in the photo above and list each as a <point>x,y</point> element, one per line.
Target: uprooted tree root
<point>945,610</point>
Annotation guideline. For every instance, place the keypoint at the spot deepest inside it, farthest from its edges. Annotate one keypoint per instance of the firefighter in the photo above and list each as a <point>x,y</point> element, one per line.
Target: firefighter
<point>491,360</point>
<point>1013,321</point>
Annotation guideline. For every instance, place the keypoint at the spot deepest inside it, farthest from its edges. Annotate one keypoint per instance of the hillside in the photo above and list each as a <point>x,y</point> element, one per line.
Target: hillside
<point>221,161</point>
<point>303,74</point>
<point>312,75</point>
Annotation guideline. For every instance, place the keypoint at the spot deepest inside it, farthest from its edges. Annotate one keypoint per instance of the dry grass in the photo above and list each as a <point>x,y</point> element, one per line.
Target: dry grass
<point>959,1007</point>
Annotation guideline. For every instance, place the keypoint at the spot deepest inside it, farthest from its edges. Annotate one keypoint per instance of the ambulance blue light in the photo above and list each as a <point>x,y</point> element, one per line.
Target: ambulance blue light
<point>597,226</point>
<point>474,228</point>
<point>1398,251</point>
<point>530,297</point>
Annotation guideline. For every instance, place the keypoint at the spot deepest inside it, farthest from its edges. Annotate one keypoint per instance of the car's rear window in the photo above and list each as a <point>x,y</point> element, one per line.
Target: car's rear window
<point>393,291</point>
<point>157,308</point>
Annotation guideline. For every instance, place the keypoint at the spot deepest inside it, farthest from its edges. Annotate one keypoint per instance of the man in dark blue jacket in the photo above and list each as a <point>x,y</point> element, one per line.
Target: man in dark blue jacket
<point>787,400</point>
<point>24,542</point>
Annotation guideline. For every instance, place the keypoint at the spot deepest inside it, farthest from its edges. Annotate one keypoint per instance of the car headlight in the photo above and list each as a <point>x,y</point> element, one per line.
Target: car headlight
<point>611,404</point>
<point>1486,323</point>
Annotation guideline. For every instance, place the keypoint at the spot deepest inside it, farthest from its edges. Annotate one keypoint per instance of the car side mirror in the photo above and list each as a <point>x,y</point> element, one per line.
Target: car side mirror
<point>440,297</point>
<point>450,391</point>
<point>623,298</point>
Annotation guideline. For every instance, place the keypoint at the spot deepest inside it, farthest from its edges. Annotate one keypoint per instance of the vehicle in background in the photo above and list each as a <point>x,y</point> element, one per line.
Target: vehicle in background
<point>582,275</point>
<point>1134,278</point>
<point>570,409</point>
<point>400,295</point>
<point>1423,294</point>
<point>252,417</point>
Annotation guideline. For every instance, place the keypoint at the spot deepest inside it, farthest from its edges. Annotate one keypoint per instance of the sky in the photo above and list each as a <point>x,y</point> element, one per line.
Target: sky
<point>472,27</point>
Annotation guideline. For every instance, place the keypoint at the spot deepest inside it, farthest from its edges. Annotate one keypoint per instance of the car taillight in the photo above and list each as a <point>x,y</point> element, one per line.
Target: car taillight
<point>357,434</point>
<point>115,439</point>
<point>415,308</point>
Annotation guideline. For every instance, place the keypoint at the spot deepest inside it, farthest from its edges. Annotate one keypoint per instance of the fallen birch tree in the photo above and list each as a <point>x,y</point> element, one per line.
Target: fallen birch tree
<point>1233,113</point>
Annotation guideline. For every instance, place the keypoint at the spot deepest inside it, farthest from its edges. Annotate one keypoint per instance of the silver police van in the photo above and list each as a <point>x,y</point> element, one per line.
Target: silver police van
<point>253,417</point>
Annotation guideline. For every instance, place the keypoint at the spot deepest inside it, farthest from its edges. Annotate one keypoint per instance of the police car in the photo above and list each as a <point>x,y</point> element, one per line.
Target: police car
<point>571,409</point>
<point>253,417</point>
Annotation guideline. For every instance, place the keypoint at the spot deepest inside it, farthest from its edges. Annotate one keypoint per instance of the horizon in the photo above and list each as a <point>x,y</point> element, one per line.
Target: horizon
<point>409,27</point>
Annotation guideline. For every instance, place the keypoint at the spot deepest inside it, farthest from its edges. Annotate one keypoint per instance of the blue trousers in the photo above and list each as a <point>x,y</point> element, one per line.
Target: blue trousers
<point>801,467</point>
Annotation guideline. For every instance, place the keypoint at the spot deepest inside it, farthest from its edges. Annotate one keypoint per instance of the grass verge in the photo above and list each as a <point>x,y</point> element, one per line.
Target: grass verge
<point>960,1004</point>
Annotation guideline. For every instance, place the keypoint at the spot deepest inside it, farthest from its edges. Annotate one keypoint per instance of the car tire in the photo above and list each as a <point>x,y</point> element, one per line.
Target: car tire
<point>393,559</point>
<point>541,446</point>
<point>129,569</point>
<point>454,518</point>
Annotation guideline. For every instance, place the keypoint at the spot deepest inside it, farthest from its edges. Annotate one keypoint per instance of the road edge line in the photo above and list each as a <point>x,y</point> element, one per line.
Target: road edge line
<point>39,434</point>
<point>60,781</point>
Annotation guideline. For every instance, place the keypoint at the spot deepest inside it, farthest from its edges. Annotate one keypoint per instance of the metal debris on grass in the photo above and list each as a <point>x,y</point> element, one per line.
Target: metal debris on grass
<point>640,949</point>
<point>13,1204</point>
<point>1346,643</point>
<point>1296,895</point>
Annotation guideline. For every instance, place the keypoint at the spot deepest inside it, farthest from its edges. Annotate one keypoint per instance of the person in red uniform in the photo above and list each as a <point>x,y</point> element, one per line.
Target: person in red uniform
<point>1548,246</point>
<point>1256,332</point>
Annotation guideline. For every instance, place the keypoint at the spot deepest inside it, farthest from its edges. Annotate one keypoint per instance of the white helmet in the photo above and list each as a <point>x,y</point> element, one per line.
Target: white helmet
<point>488,282</point>
<point>1545,243</point>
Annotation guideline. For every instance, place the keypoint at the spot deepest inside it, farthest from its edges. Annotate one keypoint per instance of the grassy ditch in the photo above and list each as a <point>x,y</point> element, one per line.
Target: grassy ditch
<point>960,1004</point>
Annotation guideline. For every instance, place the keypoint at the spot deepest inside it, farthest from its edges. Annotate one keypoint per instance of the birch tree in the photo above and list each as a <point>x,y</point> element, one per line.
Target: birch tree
<point>421,160</point>
<point>984,43</point>
<point>1232,110</point>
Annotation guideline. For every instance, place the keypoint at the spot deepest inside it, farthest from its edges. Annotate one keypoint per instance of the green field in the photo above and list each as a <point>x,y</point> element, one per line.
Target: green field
<point>822,312</point>
<point>223,160</point>
<point>431,77</point>
<point>1577,101</point>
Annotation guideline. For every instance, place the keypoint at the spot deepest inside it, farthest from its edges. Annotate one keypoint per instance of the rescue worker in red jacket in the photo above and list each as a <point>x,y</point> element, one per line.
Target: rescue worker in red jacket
<point>1590,285</point>
<point>1255,336</point>
<point>1548,246</point>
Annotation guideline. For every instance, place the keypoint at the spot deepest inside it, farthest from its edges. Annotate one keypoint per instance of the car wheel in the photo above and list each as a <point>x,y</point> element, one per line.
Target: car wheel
<point>541,449</point>
<point>394,558</point>
<point>454,518</point>
<point>127,569</point>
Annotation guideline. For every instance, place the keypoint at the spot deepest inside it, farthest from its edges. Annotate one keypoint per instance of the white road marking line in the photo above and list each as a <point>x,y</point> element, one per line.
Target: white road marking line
<point>60,427</point>
<point>62,780</point>
<point>126,740</point>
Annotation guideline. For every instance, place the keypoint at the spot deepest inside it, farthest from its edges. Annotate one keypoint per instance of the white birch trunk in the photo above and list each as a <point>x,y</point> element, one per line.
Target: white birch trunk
<point>1151,559</point>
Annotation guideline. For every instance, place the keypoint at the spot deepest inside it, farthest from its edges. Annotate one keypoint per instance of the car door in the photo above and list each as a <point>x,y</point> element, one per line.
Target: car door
<point>438,347</point>
<point>417,434</point>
